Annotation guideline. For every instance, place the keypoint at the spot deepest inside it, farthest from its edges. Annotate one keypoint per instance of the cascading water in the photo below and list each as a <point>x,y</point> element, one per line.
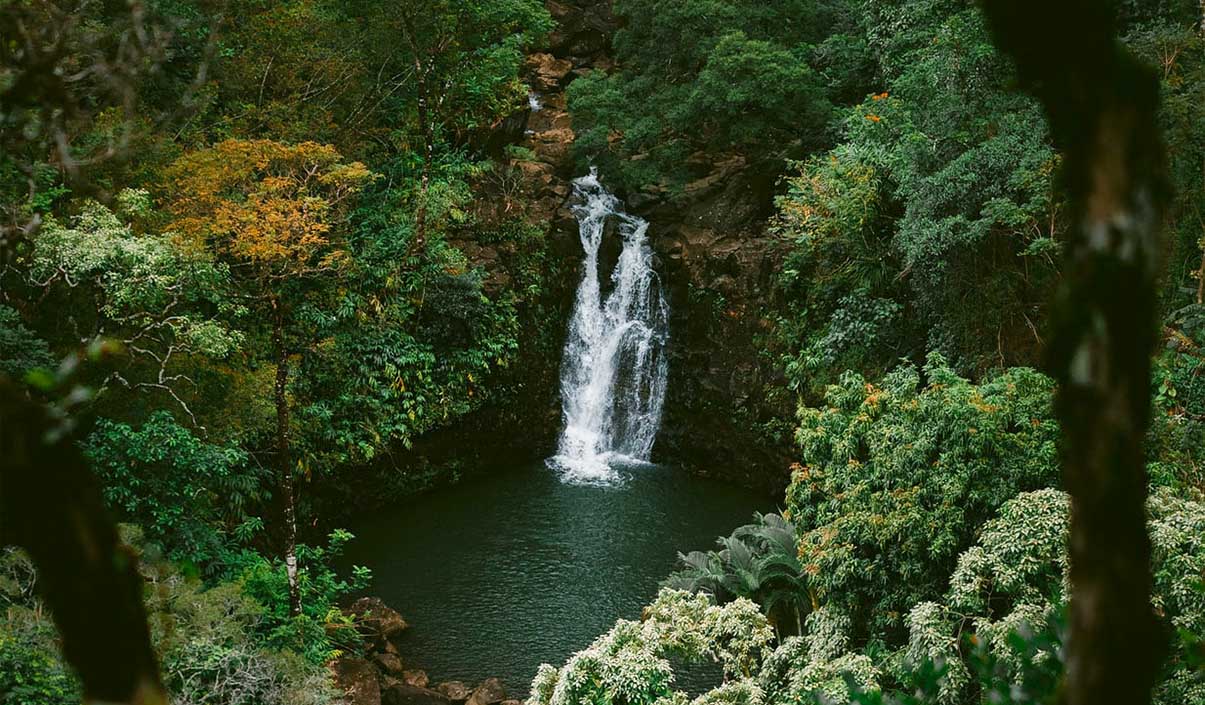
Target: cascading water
<point>613,372</point>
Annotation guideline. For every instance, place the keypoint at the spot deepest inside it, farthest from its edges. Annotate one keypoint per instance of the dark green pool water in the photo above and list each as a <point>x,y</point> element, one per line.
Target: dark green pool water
<point>514,569</point>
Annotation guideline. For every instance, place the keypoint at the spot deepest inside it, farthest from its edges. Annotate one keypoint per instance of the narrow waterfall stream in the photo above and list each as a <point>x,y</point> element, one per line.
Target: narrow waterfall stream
<point>613,371</point>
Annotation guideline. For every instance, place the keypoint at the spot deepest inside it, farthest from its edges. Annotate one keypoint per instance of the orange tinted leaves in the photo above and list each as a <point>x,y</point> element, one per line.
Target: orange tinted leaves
<point>266,203</point>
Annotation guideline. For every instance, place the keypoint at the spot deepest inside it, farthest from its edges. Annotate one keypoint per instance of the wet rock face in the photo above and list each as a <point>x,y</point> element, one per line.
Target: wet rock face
<point>546,73</point>
<point>721,263</point>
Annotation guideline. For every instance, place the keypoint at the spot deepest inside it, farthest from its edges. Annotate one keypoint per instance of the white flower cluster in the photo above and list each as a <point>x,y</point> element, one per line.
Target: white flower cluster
<point>628,665</point>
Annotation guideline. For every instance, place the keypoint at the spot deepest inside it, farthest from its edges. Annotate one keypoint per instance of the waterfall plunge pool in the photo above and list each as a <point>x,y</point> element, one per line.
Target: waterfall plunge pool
<point>517,568</point>
<point>531,563</point>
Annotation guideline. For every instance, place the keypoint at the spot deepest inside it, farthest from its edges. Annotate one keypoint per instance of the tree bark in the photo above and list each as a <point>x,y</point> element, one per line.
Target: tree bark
<point>1102,106</point>
<point>51,505</point>
<point>424,125</point>
<point>283,458</point>
<point>1201,274</point>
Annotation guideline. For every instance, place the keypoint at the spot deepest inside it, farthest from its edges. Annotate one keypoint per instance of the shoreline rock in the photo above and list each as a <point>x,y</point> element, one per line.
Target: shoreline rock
<point>380,677</point>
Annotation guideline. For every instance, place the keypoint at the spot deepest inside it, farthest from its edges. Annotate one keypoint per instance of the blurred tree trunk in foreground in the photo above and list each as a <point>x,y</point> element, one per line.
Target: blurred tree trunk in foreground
<point>62,62</point>
<point>51,505</point>
<point>1102,108</point>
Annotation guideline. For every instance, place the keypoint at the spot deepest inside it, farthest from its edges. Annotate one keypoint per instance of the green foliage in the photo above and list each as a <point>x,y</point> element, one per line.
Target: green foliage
<point>168,308</point>
<point>223,643</point>
<point>1010,590</point>
<point>21,350</point>
<point>31,670</point>
<point>996,634</point>
<point>321,631</point>
<point>214,645</point>
<point>758,562</point>
<point>143,283</point>
<point>1175,47</point>
<point>897,477</point>
<point>184,492</point>
<point>745,80</point>
<point>933,225</point>
<point>629,665</point>
<point>841,276</point>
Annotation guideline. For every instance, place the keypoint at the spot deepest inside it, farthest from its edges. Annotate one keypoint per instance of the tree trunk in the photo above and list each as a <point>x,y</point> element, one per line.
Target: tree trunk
<point>51,505</point>
<point>424,125</point>
<point>1201,274</point>
<point>1200,242</point>
<point>1102,108</point>
<point>420,217</point>
<point>283,459</point>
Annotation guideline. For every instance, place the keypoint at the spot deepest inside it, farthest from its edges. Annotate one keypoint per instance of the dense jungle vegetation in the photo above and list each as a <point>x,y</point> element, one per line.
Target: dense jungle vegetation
<point>237,245</point>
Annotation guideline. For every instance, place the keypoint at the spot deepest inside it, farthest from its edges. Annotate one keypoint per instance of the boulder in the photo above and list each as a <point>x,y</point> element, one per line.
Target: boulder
<point>388,648</point>
<point>379,623</point>
<point>547,72</point>
<point>388,663</point>
<point>417,678</point>
<point>456,691</point>
<point>490,692</point>
<point>404,694</point>
<point>357,678</point>
<point>552,146</point>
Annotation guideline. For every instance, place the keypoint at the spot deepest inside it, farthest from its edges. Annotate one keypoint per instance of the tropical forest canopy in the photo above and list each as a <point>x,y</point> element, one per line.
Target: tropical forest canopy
<point>242,262</point>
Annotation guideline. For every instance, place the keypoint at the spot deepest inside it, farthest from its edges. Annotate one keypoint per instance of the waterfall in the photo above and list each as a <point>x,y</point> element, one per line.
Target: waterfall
<point>613,371</point>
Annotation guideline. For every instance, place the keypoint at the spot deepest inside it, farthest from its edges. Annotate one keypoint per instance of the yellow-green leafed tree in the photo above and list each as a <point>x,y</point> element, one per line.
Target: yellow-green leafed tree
<point>275,214</point>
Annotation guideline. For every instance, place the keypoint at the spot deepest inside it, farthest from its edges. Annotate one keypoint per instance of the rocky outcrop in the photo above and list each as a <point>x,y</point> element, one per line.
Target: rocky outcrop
<point>358,679</point>
<point>389,663</point>
<point>380,677</point>
<point>456,691</point>
<point>490,692</point>
<point>720,261</point>
<point>583,30</point>
<point>379,624</point>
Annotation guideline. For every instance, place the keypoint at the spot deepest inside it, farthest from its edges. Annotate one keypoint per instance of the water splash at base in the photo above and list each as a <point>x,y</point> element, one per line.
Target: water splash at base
<point>614,368</point>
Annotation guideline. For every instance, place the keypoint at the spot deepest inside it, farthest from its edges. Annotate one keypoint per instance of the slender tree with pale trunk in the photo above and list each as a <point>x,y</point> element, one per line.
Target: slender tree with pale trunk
<point>272,212</point>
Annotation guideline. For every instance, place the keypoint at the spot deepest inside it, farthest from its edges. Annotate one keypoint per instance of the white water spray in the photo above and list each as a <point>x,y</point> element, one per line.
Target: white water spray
<point>613,373</point>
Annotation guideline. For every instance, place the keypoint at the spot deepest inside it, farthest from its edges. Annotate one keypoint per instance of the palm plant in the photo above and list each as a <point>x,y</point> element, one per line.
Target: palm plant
<point>759,561</point>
